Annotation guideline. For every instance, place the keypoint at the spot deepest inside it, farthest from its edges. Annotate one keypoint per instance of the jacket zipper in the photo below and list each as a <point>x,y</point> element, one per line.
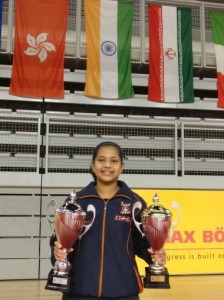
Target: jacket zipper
<point>102,251</point>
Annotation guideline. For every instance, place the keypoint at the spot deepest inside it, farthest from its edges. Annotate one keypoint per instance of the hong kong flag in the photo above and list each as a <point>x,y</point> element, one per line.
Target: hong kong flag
<point>38,61</point>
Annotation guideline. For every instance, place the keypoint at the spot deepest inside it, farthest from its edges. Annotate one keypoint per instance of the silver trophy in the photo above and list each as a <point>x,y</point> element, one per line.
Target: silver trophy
<point>156,224</point>
<point>69,224</point>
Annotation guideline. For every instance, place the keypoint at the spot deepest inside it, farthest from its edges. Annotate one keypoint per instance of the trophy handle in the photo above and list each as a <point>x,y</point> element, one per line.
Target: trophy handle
<point>137,224</point>
<point>90,207</point>
<point>50,220</point>
<point>175,205</point>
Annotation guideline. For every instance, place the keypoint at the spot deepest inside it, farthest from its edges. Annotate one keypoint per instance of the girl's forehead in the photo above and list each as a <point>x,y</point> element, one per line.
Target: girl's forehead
<point>108,150</point>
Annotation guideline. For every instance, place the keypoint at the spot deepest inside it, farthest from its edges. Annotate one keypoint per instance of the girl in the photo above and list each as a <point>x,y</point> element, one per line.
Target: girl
<point>103,260</point>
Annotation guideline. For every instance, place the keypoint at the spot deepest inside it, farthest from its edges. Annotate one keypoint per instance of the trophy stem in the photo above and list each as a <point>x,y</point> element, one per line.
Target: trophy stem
<point>156,268</point>
<point>62,267</point>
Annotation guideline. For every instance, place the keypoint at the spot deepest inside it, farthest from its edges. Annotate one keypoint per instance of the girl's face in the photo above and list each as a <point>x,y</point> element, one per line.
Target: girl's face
<point>107,165</point>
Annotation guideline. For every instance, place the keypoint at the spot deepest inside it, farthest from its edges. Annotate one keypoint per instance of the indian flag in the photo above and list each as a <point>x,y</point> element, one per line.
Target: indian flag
<point>218,39</point>
<point>108,25</point>
<point>170,55</point>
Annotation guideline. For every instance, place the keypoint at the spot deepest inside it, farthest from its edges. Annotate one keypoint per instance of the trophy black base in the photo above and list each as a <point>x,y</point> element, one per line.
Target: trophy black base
<point>158,281</point>
<point>58,282</point>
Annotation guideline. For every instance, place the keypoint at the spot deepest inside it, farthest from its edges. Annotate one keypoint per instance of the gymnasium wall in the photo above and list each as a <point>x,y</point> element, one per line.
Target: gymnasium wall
<point>46,144</point>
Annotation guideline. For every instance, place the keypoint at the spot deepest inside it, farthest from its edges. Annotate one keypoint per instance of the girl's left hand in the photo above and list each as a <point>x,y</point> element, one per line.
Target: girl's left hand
<point>158,257</point>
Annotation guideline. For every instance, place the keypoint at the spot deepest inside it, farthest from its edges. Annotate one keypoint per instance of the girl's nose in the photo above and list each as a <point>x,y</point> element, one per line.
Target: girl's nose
<point>107,163</point>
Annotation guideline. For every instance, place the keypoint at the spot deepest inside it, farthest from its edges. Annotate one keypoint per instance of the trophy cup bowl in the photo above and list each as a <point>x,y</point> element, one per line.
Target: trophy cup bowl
<point>156,224</point>
<point>70,223</point>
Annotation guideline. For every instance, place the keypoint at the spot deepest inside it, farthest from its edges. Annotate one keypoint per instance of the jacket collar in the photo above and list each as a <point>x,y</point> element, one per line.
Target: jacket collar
<point>90,191</point>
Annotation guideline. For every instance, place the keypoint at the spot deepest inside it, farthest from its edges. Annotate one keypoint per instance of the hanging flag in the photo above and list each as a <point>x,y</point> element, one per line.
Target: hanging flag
<point>108,42</point>
<point>170,55</point>
<point>217,19</point>
<point>38,61</point>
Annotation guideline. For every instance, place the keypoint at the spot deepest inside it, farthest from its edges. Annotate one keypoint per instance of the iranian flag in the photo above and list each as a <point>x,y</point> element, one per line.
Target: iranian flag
<point>108,26</point>
<point>38,61</point>
<point>170,55</point>
<point>218,39</point>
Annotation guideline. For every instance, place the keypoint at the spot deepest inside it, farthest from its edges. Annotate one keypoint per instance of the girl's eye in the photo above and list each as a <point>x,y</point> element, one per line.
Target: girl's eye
<point>115,161</point>
<point>112,161</point>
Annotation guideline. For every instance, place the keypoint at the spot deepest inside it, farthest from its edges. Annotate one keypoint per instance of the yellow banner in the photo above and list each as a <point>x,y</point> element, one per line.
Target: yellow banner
<point>197,244</point>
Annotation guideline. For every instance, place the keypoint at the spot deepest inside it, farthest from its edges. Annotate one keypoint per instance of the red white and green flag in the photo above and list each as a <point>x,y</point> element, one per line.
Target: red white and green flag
<point>170,55</point>
<point>38,61</point>
<point>108,26</point>
<point>217,19</point>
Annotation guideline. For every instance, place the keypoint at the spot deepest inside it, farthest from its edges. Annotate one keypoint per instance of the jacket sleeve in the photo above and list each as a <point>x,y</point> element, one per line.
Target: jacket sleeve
<point>52,240</point>
<point>141,244</point>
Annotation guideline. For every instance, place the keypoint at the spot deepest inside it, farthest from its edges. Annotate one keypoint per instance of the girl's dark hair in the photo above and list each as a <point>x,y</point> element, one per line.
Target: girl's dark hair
<point>105,144</point>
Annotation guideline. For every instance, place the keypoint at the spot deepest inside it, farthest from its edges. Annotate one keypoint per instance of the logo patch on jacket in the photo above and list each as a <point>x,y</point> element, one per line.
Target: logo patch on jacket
<point>125,212</point>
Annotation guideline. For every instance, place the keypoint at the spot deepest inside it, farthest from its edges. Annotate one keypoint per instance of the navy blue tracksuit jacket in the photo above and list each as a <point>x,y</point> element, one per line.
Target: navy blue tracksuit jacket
<point>103,260</point>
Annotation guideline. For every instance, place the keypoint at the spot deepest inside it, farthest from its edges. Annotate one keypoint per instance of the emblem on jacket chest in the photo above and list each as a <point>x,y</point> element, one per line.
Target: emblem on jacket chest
<point>125,212</point>
<point>125,208</point>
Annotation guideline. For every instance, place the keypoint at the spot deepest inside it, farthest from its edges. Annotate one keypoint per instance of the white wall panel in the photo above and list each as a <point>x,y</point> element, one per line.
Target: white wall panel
<point>45,251</point>
<point>19,205</point>
<point>45,228</point>
<point>45,267</point>
<point>19,269</point>
<point>19,248</point>
<point>19,226</point>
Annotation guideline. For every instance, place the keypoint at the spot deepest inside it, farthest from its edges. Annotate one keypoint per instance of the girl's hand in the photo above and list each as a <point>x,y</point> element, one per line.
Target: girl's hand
<point>60,254</point>
<point>158,257</point>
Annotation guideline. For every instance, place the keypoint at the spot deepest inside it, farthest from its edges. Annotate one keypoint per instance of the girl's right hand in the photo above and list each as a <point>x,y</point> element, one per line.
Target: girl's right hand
<point>60,254</point>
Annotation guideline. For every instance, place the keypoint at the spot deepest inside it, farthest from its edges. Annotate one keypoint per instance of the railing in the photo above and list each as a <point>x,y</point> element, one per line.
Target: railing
<point>56,144</point>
